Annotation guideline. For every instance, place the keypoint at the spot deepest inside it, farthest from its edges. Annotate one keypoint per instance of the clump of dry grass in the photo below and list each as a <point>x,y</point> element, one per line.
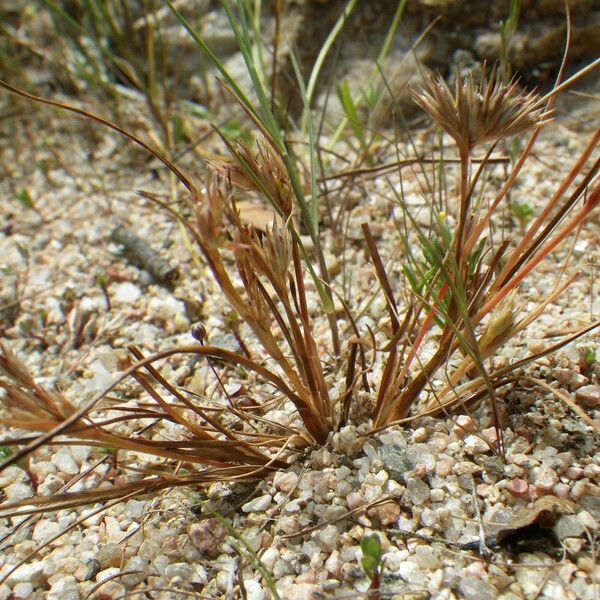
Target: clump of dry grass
<point>470,292</point>
<point>470,289</point>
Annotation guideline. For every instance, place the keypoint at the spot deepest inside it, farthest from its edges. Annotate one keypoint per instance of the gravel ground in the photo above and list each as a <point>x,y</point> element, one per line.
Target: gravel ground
<point>454,521</point>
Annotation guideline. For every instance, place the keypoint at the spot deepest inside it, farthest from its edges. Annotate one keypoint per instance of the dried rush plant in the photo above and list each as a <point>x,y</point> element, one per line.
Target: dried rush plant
<point>465,285</point>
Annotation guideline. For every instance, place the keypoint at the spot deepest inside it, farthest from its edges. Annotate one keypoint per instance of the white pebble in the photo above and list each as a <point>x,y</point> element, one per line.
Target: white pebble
<point>64,461</point>
<point>44,530</point>
<point>254,590</point>
<point>259,504</point>
<point>427,558</point>
<point>327,538</point>
<point>22,591</point>
<point>475,445</point>
<point>18,491</point>
<point>64,589</point>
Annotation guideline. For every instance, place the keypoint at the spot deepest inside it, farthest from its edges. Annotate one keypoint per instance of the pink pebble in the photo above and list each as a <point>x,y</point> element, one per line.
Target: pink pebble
<point>463,426</point>
<point>561,490</point>
<point>490,435</point>
<point>518,488</point>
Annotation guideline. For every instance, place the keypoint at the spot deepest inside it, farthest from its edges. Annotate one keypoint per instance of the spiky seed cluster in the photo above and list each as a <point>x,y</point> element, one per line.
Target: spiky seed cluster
<point>246,261</point>
<point>210,209</point>
<point>269,254</point>
<point>475,114</point>
<point>264,172</point>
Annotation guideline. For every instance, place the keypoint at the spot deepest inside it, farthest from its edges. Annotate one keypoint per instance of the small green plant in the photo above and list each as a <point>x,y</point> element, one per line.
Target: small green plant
<point>522,212</point>
<point>507,30</point>
<point>371,563</point>
<point>587,360</point>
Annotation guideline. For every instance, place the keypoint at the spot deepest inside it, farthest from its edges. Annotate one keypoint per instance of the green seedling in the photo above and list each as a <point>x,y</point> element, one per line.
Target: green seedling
<point>371,563</point>
<point>507,29</point>
<point>25,200</point>
<point>522,212</point>
<point>587,360</point>
<point>349,106</point>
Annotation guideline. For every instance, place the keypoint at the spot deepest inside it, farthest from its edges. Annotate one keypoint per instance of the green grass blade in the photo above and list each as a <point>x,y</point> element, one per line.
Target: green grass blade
<point>211,56</point>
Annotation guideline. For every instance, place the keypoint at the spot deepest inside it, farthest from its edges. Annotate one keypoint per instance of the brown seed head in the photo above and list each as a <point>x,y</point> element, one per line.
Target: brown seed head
<point>475,114</point>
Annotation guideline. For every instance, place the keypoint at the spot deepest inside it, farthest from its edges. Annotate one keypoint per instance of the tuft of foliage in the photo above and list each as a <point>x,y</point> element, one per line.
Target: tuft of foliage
<point>460,293</point>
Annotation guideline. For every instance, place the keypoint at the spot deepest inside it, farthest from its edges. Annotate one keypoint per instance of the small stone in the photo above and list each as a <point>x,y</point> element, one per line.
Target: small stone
<point>388,513</point>
<point>44,530</point>
<point>437,495</point>
<point>281,569</point>
<point>64,461</point>
<point>588,396</point>
<point>333,564</point>
<point>417,492</point>
<point>64,589</point>
<point>259,504</point>
<point>109,555</point>
<point>420,435</point>
<point>563,375</point>
<point>574,473</point>
<point>465,467</point>
<point>463,426</point>
<point>269,557</point>
<point>580,489</point>
<point>113,529</point>
<point>473,588</point>
<point>125,293</point>
<point>573,545</point>
<point>29,573</point>
<point>592,471</point>
<point>427,558</point>
<point>207,536</point>
<point>254,590</point>
<point>300,591</point>
<point>475,445</point>
<point>355,500</point>
<point>443,467</point>
<point>285,481</point>
<point>327,538</point>
<point>545,478</point>
<point>87,571</point>
<point>586,564</point>
<point>107,574</point>
<point>579,381</point>
<point>587,520</point>
<point>135,563</point>
<point>519,488</point>
<point>568,526</point>
<point>18,491</point>
<point>111,590</point>
<point>22,591</point>
<point>561,490</point>
<point>334,512</point>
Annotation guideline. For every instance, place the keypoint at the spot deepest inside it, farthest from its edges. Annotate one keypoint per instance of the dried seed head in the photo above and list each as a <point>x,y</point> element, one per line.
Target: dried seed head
<point>501,324</point>
<point>210,209</point>
<point>277,248</point>
<point>275,177</point>
<point>250,261</point>
<point>263,172</point>
<point>475,114</point>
